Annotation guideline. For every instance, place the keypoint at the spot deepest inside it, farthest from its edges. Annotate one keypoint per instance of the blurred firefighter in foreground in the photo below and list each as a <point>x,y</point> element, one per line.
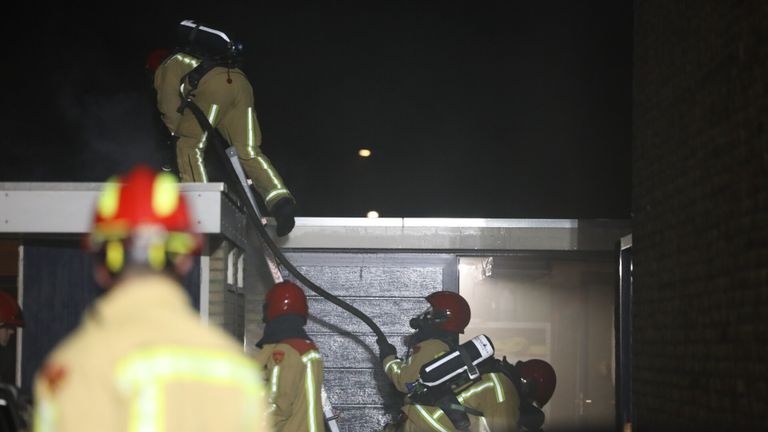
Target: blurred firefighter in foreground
<point>452,387</point>
<point>204,70</point>
<point>141,359</point>
<point>292,363</point>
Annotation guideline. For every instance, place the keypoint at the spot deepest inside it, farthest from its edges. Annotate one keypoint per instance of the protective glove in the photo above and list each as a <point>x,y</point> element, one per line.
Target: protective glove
<point>386,349</point>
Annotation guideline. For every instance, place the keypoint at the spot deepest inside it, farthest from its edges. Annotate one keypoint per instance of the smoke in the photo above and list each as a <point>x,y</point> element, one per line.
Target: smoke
<point>109,131</point>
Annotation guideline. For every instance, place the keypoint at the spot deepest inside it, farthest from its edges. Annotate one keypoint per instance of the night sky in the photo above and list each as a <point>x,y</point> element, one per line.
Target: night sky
<point>471,109</point>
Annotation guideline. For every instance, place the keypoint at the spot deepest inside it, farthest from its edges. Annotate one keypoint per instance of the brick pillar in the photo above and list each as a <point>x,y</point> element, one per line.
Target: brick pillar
<point>700,210</point>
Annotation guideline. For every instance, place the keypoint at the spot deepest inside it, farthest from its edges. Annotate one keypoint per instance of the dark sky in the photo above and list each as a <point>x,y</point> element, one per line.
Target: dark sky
<point>471,108</point>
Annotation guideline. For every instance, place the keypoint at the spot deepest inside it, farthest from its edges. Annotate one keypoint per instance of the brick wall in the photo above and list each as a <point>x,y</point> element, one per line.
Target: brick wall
<point>700,208</point>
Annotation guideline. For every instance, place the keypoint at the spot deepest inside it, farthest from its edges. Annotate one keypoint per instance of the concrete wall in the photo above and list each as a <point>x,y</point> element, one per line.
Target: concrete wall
<point>700,231</point>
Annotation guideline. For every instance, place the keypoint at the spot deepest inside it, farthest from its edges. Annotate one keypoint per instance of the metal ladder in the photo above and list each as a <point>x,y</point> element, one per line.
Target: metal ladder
<point>329,413</point>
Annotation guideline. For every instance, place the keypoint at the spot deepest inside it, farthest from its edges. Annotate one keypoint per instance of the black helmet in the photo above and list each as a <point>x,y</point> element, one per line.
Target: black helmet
<point>206,42</point>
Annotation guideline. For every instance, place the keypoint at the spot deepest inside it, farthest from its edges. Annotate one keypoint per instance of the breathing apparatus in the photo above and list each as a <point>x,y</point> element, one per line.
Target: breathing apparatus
<point>463,358</point>
<point>441,378</point>
<point>209,44</point>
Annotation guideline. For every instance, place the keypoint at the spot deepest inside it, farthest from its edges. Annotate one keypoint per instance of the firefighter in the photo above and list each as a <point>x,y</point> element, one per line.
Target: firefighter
<point>538,386</point>
<point>141,359</point>
<point>11,318</point>
<point>489,403</point>
<point>205,69</point>
<point>292,363</point>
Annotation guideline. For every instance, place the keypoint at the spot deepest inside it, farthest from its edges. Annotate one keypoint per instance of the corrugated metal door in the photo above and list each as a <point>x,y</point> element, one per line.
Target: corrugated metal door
<point>388,287</point>
<point>58,286</point>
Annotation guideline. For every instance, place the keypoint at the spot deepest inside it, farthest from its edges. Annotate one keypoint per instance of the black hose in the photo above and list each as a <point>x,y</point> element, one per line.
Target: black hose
<point>311,285</point>
<point>215,135</point>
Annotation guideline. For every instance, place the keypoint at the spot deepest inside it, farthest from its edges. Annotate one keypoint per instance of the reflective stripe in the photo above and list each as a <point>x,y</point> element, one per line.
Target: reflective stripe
<point>115,255</point>
<point>187,59</point>
<point>165,194</point>
<point>308,359</point>
<point>274,383</point>
<point>395,364</point>
<point>190,61</point>
<point>472,391</point>
<point>180,242</point>
<point>499,389</point>
<point>144,376</point>
<point>484,425</point>
<point>110,198</point>
<point>212,114</point>
<point>45,416</point>
<point>275,193</point>
<point>431,421</point>
<point>251,153</point>
<point>494,383</point>
<point>272,175</point>
<point>200,164</point>
<point>251,138</point>
<point>156,256</point>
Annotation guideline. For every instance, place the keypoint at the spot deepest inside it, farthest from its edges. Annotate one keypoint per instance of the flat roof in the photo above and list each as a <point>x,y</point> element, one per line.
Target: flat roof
<point>66,208</point>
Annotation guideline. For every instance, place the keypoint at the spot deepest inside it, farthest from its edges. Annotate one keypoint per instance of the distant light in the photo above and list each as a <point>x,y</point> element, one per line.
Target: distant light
<point>373,214</point>
<point>364,152</point>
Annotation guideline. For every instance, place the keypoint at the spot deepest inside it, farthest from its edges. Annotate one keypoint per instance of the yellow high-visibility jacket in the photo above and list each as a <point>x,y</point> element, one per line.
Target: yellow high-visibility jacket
<point>494,395</point>
<point>141,360</point>
<point>293,369</point>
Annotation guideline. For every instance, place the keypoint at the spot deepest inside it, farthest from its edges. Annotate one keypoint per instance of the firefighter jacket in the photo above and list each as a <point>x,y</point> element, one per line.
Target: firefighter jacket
<point>225,95</point>
<point>141,360</point>
<point>293,369</point>
<point>494,395</point>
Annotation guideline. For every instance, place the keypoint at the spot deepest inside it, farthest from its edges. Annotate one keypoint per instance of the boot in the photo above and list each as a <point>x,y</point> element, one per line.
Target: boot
<point>284,211</point>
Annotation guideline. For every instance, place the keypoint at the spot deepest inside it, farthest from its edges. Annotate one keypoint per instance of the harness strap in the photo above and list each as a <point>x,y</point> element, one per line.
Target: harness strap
<point>456,412</point>
<point>471,368</point>
<point>194,77</point>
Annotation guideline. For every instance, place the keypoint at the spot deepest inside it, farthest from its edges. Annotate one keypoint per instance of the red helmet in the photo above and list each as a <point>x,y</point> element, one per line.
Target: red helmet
<point>449,311</point>
<point>540,380</point>
<point>156,58</point>
<point>10,312</point>
<point>142,217</point>
<point>285,298</point>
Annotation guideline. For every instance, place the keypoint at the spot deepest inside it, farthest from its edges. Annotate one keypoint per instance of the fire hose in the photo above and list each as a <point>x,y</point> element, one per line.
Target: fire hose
<point>234,171</point>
